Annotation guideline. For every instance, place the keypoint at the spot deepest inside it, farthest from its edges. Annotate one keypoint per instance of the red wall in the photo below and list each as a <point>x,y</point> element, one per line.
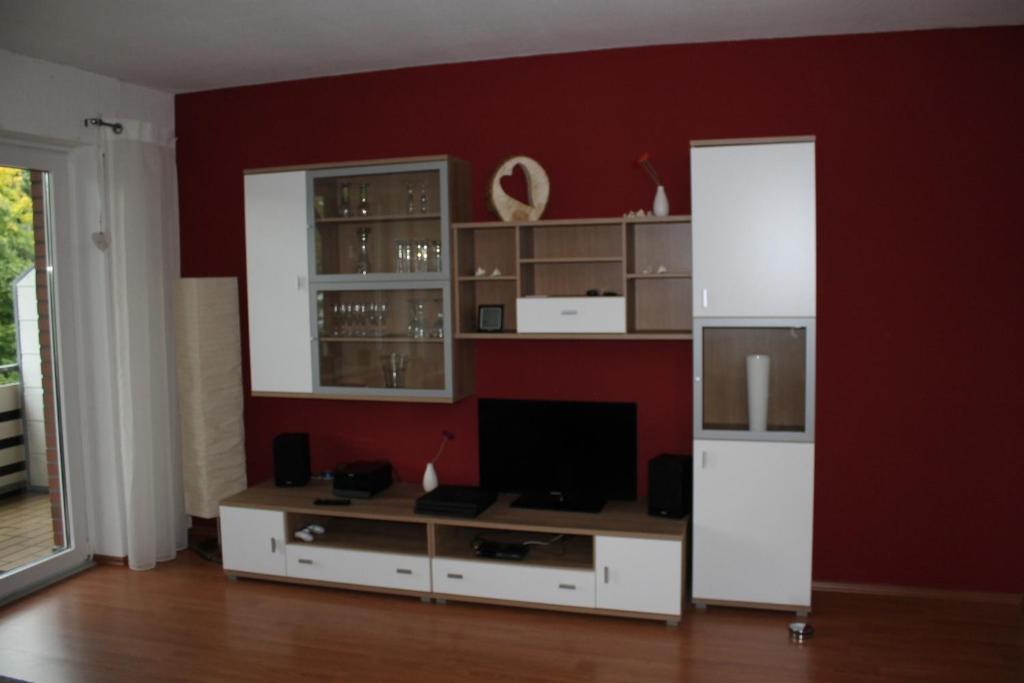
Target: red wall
<point>920,330</point>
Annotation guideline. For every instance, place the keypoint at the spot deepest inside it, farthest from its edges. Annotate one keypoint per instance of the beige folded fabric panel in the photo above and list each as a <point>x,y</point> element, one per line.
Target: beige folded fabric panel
<point>209,353</point>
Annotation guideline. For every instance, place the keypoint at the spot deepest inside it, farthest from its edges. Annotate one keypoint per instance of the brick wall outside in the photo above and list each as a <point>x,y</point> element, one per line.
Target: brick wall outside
<point>49,396</point>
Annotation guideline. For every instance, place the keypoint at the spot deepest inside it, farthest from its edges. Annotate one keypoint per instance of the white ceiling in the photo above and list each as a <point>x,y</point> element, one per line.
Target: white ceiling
<point>189,45</point>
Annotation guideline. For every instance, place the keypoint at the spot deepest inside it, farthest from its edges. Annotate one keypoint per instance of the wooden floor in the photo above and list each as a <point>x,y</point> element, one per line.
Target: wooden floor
<point>185,622</point>
<point>26,529</point>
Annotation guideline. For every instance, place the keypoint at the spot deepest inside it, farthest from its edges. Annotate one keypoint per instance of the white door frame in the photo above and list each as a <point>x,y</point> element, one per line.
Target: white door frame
<point>70,437</point>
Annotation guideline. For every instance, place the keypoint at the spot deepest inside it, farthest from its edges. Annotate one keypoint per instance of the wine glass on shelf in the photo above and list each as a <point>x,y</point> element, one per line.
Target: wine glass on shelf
<point>417,319</point>
<point>437,329</point>
<point>337,317</point>
<point>435,256</point>
<point>364,200</point>
<point>343,201</point>
<point>382,318</point>
<point>401,256</point>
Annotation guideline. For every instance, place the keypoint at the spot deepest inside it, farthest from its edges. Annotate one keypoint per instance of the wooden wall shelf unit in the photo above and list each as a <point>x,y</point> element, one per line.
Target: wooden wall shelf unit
<point>647,260</point>
<point>620,562</point>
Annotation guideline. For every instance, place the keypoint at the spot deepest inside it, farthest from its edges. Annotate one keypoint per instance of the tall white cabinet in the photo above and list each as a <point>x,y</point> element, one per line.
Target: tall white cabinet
<point>277,273</point>
<point>754,304</point>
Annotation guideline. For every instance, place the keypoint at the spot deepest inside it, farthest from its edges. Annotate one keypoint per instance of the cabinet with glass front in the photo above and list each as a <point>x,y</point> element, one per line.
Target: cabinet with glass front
<point>754,379</point>
<point>374,280</point>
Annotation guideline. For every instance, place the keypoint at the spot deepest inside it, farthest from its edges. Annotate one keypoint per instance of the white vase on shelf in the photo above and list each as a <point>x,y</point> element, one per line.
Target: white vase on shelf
<point>660,207</point>
<point>429,478</point>
<point>758,367</point>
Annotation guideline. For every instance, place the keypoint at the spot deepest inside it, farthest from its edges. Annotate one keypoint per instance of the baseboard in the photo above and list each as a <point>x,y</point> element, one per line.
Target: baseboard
<point>1015,599</point>
<point>112,560</point>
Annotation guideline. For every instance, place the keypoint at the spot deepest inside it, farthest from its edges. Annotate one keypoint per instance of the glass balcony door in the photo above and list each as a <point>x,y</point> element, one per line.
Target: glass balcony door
<point>42,520</point>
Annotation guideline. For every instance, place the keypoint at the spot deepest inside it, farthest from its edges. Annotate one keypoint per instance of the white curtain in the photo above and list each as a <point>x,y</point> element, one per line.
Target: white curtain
<point>141,208</point>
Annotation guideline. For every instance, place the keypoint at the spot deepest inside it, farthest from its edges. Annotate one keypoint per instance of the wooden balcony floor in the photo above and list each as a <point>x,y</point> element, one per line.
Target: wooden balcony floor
<point>26,529</point>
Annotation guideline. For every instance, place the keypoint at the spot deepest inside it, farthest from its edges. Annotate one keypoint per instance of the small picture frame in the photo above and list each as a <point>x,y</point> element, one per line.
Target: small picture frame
<point>490,318</point>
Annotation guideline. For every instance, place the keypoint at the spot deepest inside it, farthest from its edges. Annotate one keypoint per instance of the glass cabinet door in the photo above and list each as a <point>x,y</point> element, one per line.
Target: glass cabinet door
<point>381,339</point>
<point>384,221</point>
<point>755,379</point>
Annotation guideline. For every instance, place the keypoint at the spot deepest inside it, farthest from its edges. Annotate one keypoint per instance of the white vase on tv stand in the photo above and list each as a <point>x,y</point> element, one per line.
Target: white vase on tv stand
<point>429,478</point>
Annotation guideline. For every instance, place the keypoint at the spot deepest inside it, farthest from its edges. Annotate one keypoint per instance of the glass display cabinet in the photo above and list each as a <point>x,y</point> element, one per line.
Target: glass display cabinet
<point>349,280</point>
<point>377,222</point>
<point>754,379</point>
<point>381,280</point>
<point>382,340</point>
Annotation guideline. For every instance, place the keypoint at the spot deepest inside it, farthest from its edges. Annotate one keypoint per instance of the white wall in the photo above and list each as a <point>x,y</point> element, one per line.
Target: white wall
<point>47,103</point>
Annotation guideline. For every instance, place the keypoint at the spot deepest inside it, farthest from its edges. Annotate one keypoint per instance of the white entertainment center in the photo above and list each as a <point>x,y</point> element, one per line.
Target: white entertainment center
<point>750,292</point>
<point>620,562</point>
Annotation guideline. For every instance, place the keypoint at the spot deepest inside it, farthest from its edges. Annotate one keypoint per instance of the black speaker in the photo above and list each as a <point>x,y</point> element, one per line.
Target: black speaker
<point>670,485</point>
<point>291,459</point>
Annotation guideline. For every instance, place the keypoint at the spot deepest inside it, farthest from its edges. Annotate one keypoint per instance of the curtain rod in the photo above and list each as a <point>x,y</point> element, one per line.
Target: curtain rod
<point>116,127</point>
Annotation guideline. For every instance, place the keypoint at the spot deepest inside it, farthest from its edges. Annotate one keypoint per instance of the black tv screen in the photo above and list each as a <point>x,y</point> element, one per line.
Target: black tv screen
<point>575,448</point>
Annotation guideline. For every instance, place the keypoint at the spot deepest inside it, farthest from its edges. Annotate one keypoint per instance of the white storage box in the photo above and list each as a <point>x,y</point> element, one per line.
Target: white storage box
<point>571,315</point>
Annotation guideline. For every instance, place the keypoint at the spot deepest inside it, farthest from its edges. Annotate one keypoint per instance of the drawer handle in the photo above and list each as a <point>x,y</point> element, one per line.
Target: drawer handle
<point>567,586</point>
<point>454,576</point>
<point>606,575</point>
<point>305,561</point>
<point>570,311</point>
<point>404,571</point>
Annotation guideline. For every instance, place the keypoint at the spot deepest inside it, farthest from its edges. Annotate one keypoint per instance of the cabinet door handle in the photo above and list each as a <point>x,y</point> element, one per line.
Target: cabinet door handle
<point>300,282</point>
<point>704,297</point>
<point>304,561</point>
<point>454,576</point>
<point>703,460</point>
<point>273,545</point>
<point>404,571</point>
<point>567,586</point>
<point>606,575</point>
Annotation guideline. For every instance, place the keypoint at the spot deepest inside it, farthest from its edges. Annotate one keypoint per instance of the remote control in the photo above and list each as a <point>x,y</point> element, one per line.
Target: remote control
<point>332,501</point>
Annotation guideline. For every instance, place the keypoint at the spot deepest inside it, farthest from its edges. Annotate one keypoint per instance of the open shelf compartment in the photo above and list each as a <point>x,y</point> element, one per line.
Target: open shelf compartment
<point>570,552</point>
<point>362,534</point>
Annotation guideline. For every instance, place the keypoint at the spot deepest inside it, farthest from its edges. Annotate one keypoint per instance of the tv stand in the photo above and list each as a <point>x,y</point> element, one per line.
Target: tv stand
<point>618,562</point>
<point>553,500</point>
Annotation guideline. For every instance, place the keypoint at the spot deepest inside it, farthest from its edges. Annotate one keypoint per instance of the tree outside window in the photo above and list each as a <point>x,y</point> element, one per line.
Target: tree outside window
<point>16,256</point>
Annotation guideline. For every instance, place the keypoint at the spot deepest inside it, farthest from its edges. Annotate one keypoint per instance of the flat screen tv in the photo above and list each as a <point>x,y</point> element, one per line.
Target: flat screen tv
<point>566,455</point>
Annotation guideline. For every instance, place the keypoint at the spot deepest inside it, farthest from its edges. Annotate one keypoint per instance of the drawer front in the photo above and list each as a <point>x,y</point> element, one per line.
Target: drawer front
<point>545,585</point>
<point>359,567</point>
<point>580,314</point>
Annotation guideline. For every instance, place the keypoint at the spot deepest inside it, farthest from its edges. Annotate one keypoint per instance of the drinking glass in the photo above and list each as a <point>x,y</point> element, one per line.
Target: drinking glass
<point>435,256</point>
<point>343,201</point>
<point>402,256</point>
<point>437,329</point>
<point>422,263</point>
<point>393,365</point>
<point>417,319</point>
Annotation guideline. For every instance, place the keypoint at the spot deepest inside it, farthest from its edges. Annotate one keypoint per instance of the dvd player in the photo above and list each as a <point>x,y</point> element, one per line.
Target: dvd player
<point>455,501</point>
